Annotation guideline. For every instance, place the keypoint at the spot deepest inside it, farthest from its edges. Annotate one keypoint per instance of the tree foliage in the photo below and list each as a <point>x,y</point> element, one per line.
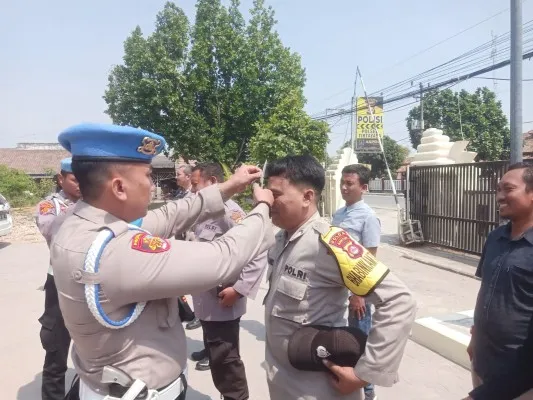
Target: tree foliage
<point>289,130</point>
<point>395,153</point>
<point>211,87</point>
<point>479,114</point>
<point>21,190</point>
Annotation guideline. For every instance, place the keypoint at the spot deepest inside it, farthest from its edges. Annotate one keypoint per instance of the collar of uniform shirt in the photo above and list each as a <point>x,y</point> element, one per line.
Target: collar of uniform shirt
<point>506,234</point>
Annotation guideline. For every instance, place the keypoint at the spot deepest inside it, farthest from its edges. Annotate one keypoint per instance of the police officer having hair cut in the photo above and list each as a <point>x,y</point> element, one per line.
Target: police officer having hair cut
<point>54,336</point>
<point>118,282</point>
<point>220,309</point>
<point>310,268</point>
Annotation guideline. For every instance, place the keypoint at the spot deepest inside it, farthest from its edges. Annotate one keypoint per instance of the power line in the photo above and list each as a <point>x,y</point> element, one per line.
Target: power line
<point>499,79</point>
<point>430,48</point>
<point>432,87</point>
<point>466,62</point>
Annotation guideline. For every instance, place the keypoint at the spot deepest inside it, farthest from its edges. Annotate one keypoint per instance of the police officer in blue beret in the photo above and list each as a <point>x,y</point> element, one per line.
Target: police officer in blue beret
<point>54,336</point>
<point>118,282</point>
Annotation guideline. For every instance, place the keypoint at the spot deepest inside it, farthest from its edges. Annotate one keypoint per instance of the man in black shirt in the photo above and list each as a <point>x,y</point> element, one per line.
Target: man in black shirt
<point>504,306</point>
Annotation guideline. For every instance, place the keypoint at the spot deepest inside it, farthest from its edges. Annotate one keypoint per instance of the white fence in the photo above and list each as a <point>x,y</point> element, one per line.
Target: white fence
<point>384,185</point>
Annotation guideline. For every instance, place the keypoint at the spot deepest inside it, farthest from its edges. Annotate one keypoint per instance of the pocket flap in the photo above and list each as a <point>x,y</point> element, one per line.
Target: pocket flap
<point>292,287</point>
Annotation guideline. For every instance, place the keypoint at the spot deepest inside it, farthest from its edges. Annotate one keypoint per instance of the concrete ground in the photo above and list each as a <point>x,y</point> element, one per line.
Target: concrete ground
<point>423,374</point>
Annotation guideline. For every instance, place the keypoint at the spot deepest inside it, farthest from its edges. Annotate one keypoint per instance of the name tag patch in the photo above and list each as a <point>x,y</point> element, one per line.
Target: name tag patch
<point>149,244</point>
<point>295,273</point>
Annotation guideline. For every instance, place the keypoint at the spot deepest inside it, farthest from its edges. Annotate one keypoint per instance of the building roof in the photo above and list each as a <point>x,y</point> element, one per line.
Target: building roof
<point>33,162</point>
<point>39,159</point>
<point>161,161</point>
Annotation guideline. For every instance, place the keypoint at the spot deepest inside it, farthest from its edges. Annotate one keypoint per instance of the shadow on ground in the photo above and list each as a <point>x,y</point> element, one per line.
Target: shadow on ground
<point>256,328</point>
<point>193,394</point>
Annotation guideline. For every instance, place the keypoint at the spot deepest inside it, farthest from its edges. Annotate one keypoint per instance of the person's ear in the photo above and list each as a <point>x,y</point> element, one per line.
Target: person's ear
<point>118,188</point>
<point>309,197</point>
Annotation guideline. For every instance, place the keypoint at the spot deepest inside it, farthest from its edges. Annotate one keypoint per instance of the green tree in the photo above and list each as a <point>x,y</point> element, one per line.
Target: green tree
<point>289,130</point>
<point>396,155</point>
<point>481,118</point>
<point>149,89</point>
<point>206,88</point>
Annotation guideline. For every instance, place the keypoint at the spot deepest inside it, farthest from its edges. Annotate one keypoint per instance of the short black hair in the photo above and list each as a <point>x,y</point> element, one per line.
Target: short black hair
<point>362,172</point>
<point>527,175</point>
<point>299,170</point>
<point>209,169</point>
<point>91,176</point>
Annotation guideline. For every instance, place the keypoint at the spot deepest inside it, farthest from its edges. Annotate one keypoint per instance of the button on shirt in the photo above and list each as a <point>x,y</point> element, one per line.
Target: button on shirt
<point>504,305</point>
<point>360,221</point>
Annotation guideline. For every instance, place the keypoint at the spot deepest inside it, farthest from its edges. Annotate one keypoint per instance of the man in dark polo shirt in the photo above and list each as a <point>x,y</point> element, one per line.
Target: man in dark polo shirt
<point>504,306</point>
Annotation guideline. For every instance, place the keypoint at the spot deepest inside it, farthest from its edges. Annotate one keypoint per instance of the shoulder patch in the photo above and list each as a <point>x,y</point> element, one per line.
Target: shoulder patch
<point>149,244</point>
<point>361,272</point>
<point>46,208</point>
<point>237,216</point>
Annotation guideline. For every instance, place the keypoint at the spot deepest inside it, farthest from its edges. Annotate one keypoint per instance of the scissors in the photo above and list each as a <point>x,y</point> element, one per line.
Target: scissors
<point>262,180</point>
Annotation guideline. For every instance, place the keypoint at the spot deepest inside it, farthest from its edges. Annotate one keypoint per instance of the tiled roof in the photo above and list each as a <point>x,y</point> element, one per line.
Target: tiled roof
<point>39,162</point>
<point>528,143</point>
<point>33,162</point>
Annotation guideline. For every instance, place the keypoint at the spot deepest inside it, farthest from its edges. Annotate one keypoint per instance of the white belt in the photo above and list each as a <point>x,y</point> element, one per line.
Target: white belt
<point>171,392</point>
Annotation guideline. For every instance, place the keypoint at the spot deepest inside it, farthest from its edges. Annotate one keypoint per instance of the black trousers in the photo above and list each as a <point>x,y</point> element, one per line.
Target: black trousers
<point>55,340</point>
<point>221,339</point>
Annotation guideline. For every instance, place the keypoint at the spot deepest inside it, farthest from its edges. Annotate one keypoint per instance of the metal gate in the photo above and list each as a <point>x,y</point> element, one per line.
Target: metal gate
<point>456,204</point>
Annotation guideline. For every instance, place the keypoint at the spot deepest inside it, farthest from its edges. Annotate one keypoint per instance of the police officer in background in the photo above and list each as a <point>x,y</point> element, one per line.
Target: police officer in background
<point>220,309</point>
<point>308,288</point>
<point>118,282</point>
<point>55,338</point>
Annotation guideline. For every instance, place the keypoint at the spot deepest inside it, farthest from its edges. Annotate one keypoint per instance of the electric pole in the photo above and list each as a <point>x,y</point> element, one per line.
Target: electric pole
<point>516,81</point>
<point>421,108</point>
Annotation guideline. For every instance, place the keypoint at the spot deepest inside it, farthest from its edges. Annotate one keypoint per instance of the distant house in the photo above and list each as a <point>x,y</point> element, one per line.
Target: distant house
<point>38,160</point>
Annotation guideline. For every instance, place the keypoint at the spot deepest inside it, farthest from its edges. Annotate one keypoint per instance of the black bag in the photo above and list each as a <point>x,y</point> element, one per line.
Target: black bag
<point>186,313</point>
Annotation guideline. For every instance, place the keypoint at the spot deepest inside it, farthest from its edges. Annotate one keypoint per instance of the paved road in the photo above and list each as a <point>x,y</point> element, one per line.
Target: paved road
<point>383,200</point>
<point>423,374</point>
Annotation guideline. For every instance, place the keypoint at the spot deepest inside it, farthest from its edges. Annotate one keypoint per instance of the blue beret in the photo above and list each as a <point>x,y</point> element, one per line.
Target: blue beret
<point>66,165</point>
<point>111,143</point>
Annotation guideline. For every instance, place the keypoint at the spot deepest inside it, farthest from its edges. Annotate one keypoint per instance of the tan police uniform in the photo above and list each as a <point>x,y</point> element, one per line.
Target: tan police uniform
<point>221,324</point>
<point>306,288</point>
<point>47,211</point>
<point>138,267</point>
<point>54,335</point>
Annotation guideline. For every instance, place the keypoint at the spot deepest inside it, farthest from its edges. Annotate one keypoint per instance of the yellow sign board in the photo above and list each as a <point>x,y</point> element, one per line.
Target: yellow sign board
<point>369,124</point>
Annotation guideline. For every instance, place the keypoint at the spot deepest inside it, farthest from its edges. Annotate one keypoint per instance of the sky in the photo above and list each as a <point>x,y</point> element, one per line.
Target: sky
<point>56,55</point>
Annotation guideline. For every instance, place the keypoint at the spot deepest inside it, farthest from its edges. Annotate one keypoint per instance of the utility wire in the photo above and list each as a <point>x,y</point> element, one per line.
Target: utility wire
<point>430,48</point>
<point>431,87</point>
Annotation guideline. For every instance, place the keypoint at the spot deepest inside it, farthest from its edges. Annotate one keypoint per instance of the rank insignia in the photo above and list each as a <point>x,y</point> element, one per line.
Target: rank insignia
<point>149,146</point>
<point>46,208</point>
<point>149,244</point>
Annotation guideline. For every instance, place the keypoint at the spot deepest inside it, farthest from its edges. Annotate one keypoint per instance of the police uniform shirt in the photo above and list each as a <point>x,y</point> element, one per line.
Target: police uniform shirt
<point>47,211</point>
<point>306,288</point>
<point>141,267</point>
<point>207,305</point>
